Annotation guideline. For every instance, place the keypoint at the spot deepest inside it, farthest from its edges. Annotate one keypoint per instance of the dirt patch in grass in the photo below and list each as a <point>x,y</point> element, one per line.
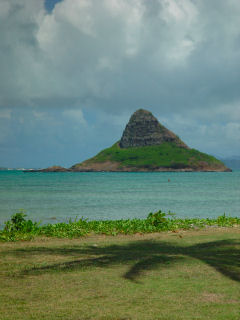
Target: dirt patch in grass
<point>212,297</point>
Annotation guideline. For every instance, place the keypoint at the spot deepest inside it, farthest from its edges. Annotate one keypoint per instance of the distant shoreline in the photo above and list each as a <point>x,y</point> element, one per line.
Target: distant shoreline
<point>124,170</point>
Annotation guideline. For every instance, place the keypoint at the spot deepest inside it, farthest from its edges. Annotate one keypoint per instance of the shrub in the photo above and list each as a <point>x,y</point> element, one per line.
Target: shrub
<point>18,228</point>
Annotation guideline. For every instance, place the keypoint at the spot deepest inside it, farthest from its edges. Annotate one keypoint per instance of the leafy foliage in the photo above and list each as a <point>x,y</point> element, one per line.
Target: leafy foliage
<point>18,228</point>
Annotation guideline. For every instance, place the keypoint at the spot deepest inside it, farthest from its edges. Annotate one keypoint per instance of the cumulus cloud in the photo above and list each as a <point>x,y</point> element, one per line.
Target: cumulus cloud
<point>178,58</point>
<point>88,50</point>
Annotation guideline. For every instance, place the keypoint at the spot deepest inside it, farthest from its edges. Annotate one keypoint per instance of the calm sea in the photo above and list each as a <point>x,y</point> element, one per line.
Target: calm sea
<point>53,197</point>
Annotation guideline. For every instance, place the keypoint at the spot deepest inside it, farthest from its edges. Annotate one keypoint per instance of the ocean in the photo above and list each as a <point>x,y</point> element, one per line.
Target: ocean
<point>57,197</point>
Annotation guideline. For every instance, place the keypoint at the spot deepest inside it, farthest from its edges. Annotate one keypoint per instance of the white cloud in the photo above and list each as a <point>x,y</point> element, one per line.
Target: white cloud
<point>215,135</point>
<point>109,57</point>
<point>75,115</point>
<point>87,50</point>
<point>5,113</point>
<point>233,131</point>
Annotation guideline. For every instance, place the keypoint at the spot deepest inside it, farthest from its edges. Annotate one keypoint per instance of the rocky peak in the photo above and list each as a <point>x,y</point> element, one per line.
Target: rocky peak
<point>143,129</point>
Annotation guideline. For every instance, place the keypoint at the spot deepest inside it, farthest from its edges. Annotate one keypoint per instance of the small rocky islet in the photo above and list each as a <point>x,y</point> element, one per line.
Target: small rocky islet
<point>146,146</point>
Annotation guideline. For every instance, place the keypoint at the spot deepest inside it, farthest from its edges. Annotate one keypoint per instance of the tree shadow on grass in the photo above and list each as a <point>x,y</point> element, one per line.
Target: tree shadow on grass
<point>143,255</point>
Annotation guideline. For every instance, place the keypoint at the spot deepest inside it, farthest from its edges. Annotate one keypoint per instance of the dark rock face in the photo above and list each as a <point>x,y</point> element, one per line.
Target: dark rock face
<point>143,129</point>
<point>55,169</point>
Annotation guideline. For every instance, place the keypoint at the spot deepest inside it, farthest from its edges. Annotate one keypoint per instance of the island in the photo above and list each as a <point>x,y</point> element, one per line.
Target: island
<point>147,146</point>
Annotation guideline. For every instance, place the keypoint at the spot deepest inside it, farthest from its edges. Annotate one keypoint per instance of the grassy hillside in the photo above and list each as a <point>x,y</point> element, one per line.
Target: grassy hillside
<point>167,155</point>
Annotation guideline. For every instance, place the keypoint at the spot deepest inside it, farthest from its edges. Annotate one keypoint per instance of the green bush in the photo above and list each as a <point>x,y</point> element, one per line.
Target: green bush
<point>18,228</point>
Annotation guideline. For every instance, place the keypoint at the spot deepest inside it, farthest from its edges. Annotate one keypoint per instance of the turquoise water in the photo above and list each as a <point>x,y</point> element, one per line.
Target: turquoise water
<point>52,197</point>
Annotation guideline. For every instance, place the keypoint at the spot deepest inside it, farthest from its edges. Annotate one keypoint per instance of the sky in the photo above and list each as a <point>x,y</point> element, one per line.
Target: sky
<point>73,72</point>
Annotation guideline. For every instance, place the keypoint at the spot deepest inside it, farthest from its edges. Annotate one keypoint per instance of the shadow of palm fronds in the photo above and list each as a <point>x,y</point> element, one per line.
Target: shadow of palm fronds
<point>141,256</point>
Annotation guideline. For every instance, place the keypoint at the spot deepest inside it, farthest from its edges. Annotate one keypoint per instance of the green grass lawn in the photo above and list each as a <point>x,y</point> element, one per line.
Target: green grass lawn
<point>168,275</point>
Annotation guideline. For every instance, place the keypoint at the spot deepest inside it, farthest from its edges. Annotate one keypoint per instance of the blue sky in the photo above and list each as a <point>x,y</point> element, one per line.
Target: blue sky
<point>50,4</point>
<point>73,72</point>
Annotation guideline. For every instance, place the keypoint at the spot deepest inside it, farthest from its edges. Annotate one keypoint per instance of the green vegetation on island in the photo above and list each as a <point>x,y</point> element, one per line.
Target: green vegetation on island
<point>146,145</point>
<point>168,155</point>
<point>19,228</point>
